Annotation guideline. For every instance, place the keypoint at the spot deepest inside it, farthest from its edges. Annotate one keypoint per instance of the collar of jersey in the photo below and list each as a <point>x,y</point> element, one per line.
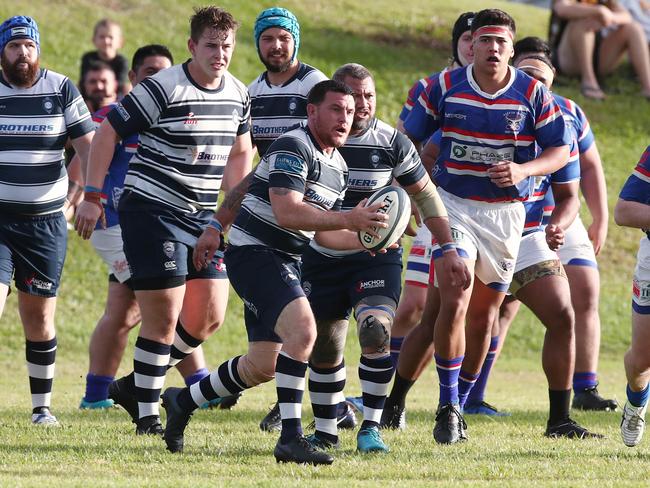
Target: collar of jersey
<point>490,96</point>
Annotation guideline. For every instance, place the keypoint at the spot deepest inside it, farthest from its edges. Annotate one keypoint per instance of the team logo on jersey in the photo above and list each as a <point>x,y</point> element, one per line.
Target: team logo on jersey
<point>48,105</point>
<point>374,158</point>
<point>306,287</point>
<point>169,248</point>
<point>293,105</point>
<point>190,120</point>
<point>514,120</point>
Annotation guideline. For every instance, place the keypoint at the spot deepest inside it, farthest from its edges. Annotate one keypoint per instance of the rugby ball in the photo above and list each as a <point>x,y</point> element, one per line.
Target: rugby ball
<point>397,205</point>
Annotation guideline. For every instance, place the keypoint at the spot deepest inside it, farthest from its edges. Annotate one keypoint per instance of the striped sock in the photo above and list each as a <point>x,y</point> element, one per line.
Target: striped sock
<point>97,387</point>
<point>395,348</point>
<point>222,382</point>
<point>40,367</point>
<point>197,376</point>
<point>183,345</point>
<point>477,393</point>
<point>638,398</point>
<point>150,366</point>
<point>290,385</point>
<point>465,383</point>
<point>326,392</point>
<point>582,381</point>
<point>375,375</point>
<point>448,371</point>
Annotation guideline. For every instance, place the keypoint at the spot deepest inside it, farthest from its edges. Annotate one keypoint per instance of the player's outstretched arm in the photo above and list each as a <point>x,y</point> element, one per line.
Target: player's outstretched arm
<point>292,212</point>
<point>99,160</point>
<point>594,189</point>
<point>632,214</point>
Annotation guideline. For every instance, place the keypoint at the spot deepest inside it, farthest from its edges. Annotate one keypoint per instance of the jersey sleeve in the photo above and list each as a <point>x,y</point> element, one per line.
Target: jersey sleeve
<point>637,186</point>
<point>585,136</point>
<point>408,166</point>
<point>289,163</point>
<point>139,109</point>
<point>424,118</point>
<point>245,120</point>
<point>412,97</point>
<point>77,117</point>
<point>550,127</point>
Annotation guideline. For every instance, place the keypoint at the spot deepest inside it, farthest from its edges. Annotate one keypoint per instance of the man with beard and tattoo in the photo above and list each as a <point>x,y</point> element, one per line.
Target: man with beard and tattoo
<point>39,111</point>
<point>338,282</point>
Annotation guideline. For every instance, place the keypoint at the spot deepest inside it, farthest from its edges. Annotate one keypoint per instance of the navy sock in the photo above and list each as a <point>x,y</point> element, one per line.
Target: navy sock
<point>638,398</point>
<point>197,376</point>
<point>97,387</point>
<point>395,348</point>
<point>477,393</point>
<point>290,386</point>
<point>448,371</point>
<point>465,383</point>
<point>584,381</point>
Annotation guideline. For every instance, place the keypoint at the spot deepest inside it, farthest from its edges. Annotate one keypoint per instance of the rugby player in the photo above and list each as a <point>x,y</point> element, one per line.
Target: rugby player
<point>338,283</point>
<point>492,118</point>
<point>41,109</point>
<point>297,189</point>
<point>193,122</point>
<point>633,210</point>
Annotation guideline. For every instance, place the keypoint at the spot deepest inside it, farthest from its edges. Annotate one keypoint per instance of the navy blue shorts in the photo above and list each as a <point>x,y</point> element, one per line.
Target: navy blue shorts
<point>266,280</point>
<point>334,286</point>
<point>32,249</point>
<point>158,244</point>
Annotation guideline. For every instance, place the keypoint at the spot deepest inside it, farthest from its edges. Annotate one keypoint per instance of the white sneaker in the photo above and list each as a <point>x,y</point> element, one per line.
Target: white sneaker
<point>44,417</point>
<point>633,424</point>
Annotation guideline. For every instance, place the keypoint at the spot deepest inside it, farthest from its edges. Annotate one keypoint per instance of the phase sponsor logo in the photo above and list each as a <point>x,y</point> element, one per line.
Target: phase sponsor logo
<point>288,163</point>
<point>479,154</point>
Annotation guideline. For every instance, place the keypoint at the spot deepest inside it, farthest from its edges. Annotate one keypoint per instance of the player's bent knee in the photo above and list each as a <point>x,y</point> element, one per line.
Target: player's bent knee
<point>374,325</point>
<point>330,342</point>
<point>257,370</point>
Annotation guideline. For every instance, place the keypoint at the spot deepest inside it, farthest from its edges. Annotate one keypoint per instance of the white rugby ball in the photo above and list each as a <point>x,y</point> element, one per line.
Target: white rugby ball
<point>397,205</point>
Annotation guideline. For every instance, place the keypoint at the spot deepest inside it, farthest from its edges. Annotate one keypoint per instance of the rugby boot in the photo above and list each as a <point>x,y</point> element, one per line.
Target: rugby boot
<point>590,399</point>
<point>633,424</point>
<point>43,416</point>
<point>98,405</point>
<point>450,425</point>
<point>273,420</point>
<point>320,443</point>
<point>150,425</point>
<point>393,417</point>
<point>118,391</point>
<point>483,408</point>
<point>299,450</point>
<point>177,420</point>
<point>345,418</point>
<point>570,429</point>
<point>369,440</point>
<point>355,402</point>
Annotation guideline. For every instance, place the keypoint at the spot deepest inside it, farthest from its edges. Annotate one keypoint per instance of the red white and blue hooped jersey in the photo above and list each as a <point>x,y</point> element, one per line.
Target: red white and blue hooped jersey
<point>415,92</point>
<point>479,129</point>
<point>583,139</point>
<point>637,186</point>
<point>114,180</point>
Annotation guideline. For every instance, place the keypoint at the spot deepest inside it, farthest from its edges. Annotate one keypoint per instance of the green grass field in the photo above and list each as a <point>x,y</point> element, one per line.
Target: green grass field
<point>400,42</point>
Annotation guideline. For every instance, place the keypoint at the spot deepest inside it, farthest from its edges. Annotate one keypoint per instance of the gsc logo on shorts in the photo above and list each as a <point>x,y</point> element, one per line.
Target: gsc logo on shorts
<point>479,154</point>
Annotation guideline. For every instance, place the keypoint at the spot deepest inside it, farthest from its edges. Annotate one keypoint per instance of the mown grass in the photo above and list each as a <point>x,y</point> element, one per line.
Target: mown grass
<point>399,42</point>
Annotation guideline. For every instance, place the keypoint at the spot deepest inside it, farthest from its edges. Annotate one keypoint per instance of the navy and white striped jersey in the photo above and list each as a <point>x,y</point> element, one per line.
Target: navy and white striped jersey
<point>374,158</point>
<point>35,124</point>
<point>274,109</point>
<point>186,133</point>
<point>294,161</point>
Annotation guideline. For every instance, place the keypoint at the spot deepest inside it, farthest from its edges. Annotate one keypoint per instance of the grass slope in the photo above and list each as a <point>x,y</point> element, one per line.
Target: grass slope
<point>400,42</point>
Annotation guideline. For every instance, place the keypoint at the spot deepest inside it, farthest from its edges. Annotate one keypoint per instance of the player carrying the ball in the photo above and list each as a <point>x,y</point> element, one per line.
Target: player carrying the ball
<point>492,118</point>
<point>339,282</point>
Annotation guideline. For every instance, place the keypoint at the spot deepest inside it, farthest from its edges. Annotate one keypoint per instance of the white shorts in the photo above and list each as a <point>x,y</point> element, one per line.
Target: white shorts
<point>577,249</point>
<point>109,246</point>
<point>533,250</point>
<point>488,233</point>
<point>419,258</point>
<point>641,283</point>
